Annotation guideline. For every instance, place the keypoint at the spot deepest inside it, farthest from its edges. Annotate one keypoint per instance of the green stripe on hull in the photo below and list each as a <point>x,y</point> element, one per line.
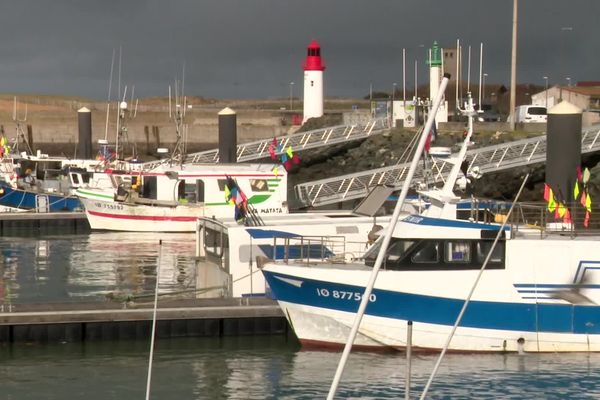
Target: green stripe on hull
<point>95,195</point>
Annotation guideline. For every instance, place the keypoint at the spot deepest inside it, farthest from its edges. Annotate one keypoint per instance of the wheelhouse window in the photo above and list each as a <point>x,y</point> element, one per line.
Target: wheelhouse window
<point>458,252</point>
<point>438,254</point>
<point>483,248</point>
<point>428,254</point>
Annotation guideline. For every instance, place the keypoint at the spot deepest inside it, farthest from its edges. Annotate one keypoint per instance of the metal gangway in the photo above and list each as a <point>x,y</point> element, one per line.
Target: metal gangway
<point>299,141</point>
<point>486,159</point>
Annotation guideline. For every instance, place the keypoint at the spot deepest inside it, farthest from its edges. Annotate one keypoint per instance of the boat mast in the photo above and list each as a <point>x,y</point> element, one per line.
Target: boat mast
<point>387,238</point>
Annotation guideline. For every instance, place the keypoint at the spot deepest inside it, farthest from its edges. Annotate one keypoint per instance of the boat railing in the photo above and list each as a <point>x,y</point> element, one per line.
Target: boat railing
<point>311,249</point>
<point>572,219</point>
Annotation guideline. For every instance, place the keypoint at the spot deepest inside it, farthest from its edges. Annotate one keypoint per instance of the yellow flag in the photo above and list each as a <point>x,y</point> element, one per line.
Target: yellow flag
<point>576,191</point>
<point>228,195</point>
<point>561,210</point>
<point>551,202</point>
<point>588,203</point>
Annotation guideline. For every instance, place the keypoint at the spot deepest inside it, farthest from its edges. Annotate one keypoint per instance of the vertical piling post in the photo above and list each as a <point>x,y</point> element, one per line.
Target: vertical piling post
<point>84,146</point>
<point>563,152</point>
<point>227,136</point>
<point>408,358</point>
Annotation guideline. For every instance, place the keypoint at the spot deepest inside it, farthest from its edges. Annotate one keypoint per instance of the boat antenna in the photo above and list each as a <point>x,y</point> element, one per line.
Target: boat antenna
<point>469,69</point>
<point>457,72</point>
<point>387,238</point>
<point>480,73</point>
<point>18,121</point>
<point>153,333</point>
<point>178,117</point>
<point>468,299</point>
<point>112,64</point>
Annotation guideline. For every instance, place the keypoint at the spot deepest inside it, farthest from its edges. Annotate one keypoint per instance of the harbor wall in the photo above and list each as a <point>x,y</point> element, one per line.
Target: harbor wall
<point>52,128</point>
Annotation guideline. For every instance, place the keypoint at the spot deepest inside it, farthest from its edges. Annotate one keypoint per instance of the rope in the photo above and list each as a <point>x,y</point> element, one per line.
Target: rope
<point>468,299</point>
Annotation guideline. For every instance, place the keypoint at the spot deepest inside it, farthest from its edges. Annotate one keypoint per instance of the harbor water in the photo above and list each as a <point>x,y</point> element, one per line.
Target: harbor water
<point>100,266</point>
<point>276,368</point>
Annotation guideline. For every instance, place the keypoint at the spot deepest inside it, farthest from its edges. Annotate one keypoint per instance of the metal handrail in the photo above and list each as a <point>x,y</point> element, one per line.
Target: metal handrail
<point>299,141</point>
<point>487,159</point>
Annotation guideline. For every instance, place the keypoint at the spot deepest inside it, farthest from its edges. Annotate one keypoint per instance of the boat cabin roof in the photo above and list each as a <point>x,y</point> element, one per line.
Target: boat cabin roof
<point>421,227</point>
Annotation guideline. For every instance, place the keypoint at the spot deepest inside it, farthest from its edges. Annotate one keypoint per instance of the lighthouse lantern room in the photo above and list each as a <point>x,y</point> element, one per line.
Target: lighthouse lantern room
<point>313,82</point>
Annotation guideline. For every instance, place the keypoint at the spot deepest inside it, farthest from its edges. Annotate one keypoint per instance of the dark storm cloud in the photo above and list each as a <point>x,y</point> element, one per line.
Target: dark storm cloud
<point>255,48</point>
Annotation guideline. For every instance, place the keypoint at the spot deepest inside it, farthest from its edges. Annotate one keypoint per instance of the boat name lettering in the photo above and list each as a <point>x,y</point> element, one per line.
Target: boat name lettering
<point>344,294</point>
<point>109,206</point>
<point>274,210</point>
<point>413,219</point>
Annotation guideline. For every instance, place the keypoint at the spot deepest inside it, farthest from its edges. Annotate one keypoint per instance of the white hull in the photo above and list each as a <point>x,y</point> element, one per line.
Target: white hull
<point>330,328</point>
<point>546,303</point>
<point>117,216</point>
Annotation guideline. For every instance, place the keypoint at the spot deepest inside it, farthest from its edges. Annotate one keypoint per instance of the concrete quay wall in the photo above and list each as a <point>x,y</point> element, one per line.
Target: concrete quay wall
<point>57,133</point>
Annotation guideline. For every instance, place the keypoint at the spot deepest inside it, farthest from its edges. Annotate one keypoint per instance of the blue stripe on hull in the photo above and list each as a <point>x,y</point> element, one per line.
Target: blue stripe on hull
<point>522,317</point>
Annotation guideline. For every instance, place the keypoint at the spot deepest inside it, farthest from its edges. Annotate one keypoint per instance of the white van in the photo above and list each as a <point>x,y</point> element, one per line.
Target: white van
<point>530,113</point>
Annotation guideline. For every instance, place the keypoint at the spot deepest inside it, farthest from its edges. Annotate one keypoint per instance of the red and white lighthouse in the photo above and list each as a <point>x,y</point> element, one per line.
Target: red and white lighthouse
<point>313,82</point>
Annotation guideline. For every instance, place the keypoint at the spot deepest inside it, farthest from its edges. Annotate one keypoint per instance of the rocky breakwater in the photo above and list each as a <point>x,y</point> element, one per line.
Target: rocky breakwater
<point>388,149</point>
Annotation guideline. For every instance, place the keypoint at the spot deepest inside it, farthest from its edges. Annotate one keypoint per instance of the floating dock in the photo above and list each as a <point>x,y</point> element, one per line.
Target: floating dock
<point>113,321</point>
<point>27,222</point>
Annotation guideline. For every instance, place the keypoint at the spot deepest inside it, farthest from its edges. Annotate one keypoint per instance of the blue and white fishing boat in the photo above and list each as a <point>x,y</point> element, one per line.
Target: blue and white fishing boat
<point>539,291</point>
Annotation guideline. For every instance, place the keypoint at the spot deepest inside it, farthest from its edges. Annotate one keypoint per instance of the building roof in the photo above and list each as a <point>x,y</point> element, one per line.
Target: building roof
<point>584,90</point>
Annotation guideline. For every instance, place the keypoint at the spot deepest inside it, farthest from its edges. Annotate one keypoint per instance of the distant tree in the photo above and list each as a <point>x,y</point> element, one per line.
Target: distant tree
<point>379,95</point>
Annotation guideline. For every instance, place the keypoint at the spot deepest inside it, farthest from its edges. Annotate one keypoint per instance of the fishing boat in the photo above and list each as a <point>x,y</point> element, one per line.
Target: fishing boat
<point>170,198</point>
<point>536,286</point>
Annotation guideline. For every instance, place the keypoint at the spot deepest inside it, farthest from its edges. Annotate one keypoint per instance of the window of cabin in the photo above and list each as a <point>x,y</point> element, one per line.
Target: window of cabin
<point>181,192</point>
<point>215,242</point>
<point>149,189</point>
<point>458,252</point>
<point>259,185</point>
<point>195,191</point>
<point>428,254</point>
<point>75,178</point>
<point>483,248</point>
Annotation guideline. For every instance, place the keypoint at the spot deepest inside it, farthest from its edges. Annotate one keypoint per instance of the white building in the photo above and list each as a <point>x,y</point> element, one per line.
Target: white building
<point>585,97</point>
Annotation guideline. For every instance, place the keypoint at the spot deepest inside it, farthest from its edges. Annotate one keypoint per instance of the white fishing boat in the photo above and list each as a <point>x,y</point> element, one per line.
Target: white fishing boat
<point>539,291</point>
<point>227,251</point>
<point>172,198</point>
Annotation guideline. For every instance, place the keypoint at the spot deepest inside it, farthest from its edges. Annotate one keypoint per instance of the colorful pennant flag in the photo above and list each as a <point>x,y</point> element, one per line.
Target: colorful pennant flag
<point>547,192</point>
<point>551,201</point>
<point>235,196</point>
<point>288,158</point>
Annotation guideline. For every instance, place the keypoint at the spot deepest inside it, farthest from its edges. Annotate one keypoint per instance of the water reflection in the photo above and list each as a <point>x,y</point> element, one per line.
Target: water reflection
<point>94,267</point>
<point>275,368</point>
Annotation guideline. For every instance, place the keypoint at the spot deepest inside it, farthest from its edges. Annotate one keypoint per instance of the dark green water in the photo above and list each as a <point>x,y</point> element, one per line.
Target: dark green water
<point>84,268</point>
<point>275,368</point>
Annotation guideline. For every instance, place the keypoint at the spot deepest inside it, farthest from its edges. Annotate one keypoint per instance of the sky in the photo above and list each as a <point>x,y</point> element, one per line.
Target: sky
<point>255,48</point>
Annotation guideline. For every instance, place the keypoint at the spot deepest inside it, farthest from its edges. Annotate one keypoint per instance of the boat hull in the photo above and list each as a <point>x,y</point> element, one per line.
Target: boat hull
<point>321,309</point>
<point>32,200</point>
<point>118,216</point>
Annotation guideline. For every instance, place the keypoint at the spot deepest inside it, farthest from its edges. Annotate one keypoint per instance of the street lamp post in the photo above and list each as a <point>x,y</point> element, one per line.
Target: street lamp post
<point>546,85</point>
